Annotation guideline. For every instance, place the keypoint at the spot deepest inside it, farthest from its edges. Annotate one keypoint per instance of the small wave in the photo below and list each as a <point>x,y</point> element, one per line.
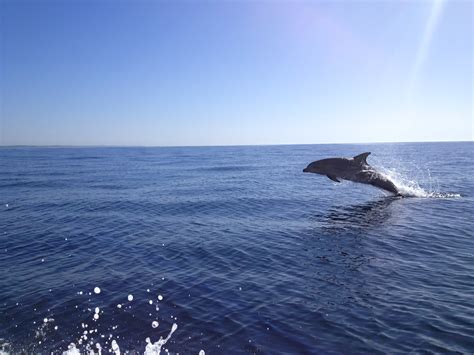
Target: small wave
<point>227,168</point>
<point>85,158</point>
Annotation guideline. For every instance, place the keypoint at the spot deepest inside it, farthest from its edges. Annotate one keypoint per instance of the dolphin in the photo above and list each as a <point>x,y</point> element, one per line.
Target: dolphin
<point>353,169</point>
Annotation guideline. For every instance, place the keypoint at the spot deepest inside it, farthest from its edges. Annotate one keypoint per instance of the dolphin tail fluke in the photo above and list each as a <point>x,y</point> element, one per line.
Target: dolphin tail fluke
<point>362,158</point>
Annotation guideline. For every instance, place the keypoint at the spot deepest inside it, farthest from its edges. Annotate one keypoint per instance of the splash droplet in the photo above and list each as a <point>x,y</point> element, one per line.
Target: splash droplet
<point>115,347</point>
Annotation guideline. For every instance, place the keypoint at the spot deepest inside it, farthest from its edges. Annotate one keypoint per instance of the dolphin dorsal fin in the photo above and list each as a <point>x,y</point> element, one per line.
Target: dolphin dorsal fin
<point>362,158</point>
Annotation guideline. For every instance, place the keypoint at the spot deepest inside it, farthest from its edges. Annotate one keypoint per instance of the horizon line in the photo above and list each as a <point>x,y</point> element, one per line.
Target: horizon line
<point>214,145</point>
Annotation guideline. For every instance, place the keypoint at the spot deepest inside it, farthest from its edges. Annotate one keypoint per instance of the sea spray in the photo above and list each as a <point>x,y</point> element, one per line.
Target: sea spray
<point>87,340</point>
<point>155,348</point>
<point>412,180</point>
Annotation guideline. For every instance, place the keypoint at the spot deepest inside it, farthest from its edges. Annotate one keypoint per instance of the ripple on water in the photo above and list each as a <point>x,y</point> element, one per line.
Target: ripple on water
<point>247,253</point>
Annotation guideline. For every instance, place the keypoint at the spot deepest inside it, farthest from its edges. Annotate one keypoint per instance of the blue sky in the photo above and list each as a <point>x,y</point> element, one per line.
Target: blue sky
<point>225,73</point>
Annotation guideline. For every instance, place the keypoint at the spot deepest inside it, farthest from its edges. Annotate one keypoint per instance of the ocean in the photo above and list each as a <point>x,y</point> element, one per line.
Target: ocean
<point>234,250</point>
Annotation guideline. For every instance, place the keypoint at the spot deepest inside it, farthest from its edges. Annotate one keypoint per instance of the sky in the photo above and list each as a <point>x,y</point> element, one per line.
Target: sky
<point>159,73</point>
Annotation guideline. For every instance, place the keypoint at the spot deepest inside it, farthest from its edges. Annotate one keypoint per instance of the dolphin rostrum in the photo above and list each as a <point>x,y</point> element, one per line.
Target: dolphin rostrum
<point>354,169</point>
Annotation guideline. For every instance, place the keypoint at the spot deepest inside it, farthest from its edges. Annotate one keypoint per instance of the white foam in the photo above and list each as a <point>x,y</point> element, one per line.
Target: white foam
<point>410,187</point>
<point>72,350</point>
<point>155,348</point>
<point>86,339</point>
<point>115,347</point>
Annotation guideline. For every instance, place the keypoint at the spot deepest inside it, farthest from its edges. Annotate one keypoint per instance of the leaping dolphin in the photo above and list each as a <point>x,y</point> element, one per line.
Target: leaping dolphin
<point>353,169</point>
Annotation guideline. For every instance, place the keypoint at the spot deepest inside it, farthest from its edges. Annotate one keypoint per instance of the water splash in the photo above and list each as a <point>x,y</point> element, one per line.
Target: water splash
<point>155,348</point>
<point>4,347</point>
<point>72,350</point>
<point>410,187</point>
<point>86,343</point>
<point>115,348</point>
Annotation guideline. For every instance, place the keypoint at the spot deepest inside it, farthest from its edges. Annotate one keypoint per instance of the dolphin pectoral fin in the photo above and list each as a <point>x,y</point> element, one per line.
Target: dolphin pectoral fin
<point>333,178</point>
<point>362,158</point>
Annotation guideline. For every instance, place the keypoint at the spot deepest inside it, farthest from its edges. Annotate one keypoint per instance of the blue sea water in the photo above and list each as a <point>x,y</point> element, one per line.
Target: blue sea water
<point>247,253</point>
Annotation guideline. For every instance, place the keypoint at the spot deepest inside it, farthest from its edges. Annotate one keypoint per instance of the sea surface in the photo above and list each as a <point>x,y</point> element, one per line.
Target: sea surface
<point>239,248</point>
